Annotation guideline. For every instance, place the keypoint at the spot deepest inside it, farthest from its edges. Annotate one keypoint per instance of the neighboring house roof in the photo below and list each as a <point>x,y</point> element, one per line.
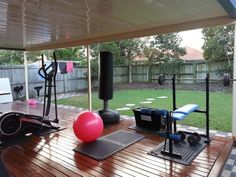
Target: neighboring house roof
<point>192,54</point>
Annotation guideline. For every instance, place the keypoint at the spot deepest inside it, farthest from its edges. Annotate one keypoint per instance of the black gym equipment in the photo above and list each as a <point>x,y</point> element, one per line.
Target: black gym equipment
<point>172,136</point>
<point>194,139</point>
<point>226,79</point>
<point>187,152</point>
<point>18,89</point>
<point>178,143</point>
<point>106,88</point>
<point>38,88</point>
<point>108,145</point>
<point>14,124</point>
<point>181,135</point>
<point>206,111</point>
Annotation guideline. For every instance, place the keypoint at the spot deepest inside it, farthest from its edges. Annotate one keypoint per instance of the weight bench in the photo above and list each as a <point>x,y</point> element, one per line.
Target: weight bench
<point>182,112</point>
<point>175,151</point>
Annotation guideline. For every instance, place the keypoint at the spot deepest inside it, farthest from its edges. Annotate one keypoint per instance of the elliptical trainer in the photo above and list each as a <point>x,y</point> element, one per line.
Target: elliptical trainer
<point>13,124</point>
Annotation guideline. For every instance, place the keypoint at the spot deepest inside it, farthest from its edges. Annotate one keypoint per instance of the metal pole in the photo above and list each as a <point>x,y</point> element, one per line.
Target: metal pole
<point>207,108</point>
<point>234,89</point>
<point>26,76</point>
<point>174,98</point>
<point>89,79</point>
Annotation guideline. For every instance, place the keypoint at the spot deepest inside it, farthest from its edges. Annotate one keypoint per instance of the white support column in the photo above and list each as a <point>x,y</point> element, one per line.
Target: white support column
<point>234,88</point>
<point>26,76</point>
<point>89,79</point>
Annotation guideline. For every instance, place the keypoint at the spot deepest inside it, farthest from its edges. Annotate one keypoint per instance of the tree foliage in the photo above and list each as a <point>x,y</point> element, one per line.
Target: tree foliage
<point>130,48</point>
<point>73,53</point>
<point>124,51</point>
<point>218,43</point>
<point>165,50</point>
<point>166,47</point>
<point>11,57</point>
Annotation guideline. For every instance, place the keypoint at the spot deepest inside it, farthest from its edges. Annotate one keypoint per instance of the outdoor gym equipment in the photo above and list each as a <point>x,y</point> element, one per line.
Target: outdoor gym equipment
<point>18,89</point>
<point>181,113</point>
<point>88,126</point>
<point>226,79</point>
<point>180,116</point>
<point>106,88</point>
<point>194,139</point>
<point>13,124</point>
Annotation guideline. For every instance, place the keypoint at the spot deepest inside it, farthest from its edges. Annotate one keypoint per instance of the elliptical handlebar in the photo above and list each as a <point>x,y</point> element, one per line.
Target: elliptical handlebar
<point>50,71</point>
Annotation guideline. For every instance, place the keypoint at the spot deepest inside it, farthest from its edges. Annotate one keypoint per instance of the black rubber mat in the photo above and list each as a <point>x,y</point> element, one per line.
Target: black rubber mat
<point>145,130</point>
<point>45,131</point>
<point>188,152</point>
<point>108,145</point>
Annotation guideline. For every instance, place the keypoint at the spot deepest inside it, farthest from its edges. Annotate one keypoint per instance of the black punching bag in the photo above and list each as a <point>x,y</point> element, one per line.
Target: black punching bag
<point>106,76</point>
<point>106,88</point>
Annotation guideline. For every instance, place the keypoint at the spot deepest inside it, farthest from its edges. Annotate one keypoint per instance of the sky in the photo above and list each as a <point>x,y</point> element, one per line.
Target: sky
<point>192,38</point>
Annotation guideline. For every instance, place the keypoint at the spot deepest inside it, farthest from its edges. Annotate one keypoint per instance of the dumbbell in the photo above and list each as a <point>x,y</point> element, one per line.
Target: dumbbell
<point>178,136</point>
<point>193,139</point>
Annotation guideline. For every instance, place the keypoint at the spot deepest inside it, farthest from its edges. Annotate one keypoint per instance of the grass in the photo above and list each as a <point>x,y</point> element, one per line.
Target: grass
<point>220,104</point>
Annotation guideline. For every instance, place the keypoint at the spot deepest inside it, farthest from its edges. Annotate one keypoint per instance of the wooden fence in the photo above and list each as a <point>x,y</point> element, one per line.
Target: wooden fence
<point>77,79</point>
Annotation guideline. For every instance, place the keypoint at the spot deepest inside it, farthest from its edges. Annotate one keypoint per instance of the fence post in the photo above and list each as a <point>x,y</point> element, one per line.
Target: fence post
<point>130,73</point>
<point>194,72</point>
<point>64,83</point>
<point>26,76</point>
<point>149,73</point>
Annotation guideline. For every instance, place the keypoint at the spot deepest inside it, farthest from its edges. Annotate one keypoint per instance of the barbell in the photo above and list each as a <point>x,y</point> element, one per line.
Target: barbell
<point>226,79</point>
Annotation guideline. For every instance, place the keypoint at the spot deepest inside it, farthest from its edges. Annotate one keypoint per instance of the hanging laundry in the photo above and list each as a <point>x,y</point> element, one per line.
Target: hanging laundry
<point>69,66</point>
<point>62,66</point>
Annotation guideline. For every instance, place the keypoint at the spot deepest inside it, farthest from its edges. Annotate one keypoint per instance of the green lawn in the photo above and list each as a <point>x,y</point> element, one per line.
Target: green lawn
<point>220,104</point>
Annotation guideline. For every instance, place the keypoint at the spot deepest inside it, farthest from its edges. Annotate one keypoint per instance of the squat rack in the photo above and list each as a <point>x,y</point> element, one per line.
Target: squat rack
<point>206,111</point>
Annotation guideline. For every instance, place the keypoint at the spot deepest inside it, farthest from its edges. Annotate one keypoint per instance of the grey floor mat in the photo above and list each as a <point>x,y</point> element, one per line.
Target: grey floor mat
<point>109,144</point>
<point>188,152</point>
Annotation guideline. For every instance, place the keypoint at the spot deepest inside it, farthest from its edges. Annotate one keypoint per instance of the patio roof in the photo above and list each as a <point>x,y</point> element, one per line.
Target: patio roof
<point>45,24</point>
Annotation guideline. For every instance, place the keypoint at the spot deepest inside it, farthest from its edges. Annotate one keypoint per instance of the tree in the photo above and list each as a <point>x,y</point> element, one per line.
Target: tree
<point>107,46</point>
<point>165,49</point>
<point>73,53</point>
<point>218,43</point>
<point>130,48</point>
<point>124,51</point>
<point>11,57</point>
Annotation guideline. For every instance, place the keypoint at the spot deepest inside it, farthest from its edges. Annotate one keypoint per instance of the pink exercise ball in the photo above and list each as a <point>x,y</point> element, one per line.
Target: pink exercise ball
<point>88,126</point>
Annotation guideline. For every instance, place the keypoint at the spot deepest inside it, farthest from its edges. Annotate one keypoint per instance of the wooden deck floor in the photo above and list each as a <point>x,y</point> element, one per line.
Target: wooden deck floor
<point>53,155</point>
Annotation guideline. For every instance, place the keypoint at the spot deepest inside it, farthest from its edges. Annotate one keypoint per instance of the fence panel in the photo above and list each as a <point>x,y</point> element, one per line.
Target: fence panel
<point>77,79</point>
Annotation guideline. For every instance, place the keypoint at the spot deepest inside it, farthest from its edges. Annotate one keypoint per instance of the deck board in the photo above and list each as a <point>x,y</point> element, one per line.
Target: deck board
<point>53,155</point>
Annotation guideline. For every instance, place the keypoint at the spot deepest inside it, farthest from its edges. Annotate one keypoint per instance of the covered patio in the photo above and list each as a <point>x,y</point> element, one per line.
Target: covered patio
<point>53,155</point>
<point>44,24</point>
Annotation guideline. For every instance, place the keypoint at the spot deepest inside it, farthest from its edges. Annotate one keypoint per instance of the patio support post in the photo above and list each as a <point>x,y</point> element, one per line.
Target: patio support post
<point>26,76</point>
<point>89,79</point>
<point>234,88</point>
